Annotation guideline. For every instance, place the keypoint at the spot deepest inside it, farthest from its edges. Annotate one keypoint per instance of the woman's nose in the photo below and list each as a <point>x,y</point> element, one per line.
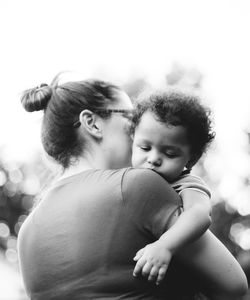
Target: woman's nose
<point>154,159</point>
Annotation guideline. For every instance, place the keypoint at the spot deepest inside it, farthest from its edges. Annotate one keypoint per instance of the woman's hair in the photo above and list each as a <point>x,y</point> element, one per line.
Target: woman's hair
<point>176,108</point>
<point>62,105</point>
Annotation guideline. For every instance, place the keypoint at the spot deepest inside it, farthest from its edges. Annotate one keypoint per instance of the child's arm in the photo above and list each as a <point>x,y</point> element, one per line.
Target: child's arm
<point>153,260</point>
<point>197,212</point>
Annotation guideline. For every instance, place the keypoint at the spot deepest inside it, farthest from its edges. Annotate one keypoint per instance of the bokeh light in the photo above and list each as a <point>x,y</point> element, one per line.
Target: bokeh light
<point>4,230</point>
<point>138,45</point>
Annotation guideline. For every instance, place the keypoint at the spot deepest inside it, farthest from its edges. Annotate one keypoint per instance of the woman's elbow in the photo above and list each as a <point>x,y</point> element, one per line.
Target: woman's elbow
<point>234,291</point>
<point>239,287</point>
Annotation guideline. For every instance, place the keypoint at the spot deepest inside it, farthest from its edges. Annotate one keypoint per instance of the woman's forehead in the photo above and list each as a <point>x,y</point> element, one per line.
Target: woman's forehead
<point>123,101</point>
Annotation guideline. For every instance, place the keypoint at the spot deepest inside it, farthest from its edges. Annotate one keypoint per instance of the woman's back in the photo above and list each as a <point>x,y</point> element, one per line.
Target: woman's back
<point>80,241</point>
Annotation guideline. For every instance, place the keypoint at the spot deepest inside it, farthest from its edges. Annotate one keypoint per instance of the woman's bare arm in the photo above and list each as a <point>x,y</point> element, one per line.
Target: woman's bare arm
<point>220,272</point>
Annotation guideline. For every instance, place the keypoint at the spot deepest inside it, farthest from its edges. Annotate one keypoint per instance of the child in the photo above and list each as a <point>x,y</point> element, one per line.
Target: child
<point>171,131</point>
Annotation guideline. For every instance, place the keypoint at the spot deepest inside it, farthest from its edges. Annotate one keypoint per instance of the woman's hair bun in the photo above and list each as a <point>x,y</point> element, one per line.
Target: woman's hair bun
<point>37,98</point>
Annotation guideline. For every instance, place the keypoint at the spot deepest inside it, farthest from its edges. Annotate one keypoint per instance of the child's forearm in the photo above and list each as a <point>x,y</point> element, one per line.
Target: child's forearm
<point>190,225</point>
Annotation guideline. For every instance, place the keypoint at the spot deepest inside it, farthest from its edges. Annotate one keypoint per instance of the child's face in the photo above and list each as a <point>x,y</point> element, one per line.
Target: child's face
<point>162,148</point>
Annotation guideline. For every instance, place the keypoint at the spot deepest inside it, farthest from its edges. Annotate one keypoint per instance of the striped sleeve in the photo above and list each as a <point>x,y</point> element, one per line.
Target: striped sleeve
<point>191,182</point>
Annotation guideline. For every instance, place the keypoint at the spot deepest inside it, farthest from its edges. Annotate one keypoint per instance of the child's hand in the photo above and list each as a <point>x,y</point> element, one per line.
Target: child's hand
<point>153,261</point>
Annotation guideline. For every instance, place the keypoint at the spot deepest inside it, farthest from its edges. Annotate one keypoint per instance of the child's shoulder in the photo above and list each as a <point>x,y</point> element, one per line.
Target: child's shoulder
<point>190,181</point>
<point>188,177</point>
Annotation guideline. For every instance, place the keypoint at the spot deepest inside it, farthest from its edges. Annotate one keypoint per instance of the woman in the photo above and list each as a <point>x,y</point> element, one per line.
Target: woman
<point>79,242</point>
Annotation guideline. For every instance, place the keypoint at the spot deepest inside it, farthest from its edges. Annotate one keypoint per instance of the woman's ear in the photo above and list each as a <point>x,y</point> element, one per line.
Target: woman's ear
<point>91,123</point>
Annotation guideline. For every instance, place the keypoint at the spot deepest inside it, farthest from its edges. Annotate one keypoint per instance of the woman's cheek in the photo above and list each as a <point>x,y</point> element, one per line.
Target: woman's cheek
<point>136,157</point>
<point>124,153</point>
<point>129,151</point>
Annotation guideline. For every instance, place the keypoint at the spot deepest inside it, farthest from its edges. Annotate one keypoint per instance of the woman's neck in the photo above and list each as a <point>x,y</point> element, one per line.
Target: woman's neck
<point>88,162</point>
<point>79,167</point>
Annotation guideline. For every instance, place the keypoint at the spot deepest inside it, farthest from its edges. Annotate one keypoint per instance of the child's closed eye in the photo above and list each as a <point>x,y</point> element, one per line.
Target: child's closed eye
<point>171,154</point>
<point>145,148</point>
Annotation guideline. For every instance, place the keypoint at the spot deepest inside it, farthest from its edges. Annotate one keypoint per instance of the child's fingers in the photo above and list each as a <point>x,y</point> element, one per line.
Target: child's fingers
<point>153,273</point>
<point>138,267</point>
<point>161,273</point>
<point>139,254</point>
<point>146,269</point>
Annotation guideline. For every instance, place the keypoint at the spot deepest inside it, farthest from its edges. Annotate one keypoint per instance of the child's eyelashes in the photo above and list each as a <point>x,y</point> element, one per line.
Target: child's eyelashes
<point>171,155</point>
<point>145,148</point>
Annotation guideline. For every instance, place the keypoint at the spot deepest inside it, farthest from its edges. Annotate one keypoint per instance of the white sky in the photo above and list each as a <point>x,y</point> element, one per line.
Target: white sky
<point>120,39</point>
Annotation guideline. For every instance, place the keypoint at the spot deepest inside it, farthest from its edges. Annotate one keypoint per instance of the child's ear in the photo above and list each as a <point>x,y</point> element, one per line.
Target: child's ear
<point>192,161</point>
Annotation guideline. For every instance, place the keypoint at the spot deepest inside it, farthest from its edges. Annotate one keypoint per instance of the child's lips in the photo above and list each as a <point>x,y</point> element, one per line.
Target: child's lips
<point>148,166</point>
<point>151,167</point>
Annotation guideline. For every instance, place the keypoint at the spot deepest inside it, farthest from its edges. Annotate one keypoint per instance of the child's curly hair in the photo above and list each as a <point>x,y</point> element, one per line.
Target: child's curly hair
<point>176,108</point>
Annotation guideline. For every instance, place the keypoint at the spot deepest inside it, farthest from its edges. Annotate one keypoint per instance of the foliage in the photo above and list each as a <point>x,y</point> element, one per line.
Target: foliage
<point>20,184</point>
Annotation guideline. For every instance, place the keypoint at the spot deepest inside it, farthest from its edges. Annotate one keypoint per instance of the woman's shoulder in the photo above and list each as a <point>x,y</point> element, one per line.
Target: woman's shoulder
<point>143,174</point>
<point>149,199</point>
<point>129,174</point>
<point>146,181</point>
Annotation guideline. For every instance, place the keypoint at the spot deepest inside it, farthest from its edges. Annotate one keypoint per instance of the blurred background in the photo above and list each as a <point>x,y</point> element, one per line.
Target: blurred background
<point>138,44</point>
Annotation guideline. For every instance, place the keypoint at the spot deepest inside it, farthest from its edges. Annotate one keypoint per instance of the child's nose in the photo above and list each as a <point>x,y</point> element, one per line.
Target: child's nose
<point>154,159</point>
